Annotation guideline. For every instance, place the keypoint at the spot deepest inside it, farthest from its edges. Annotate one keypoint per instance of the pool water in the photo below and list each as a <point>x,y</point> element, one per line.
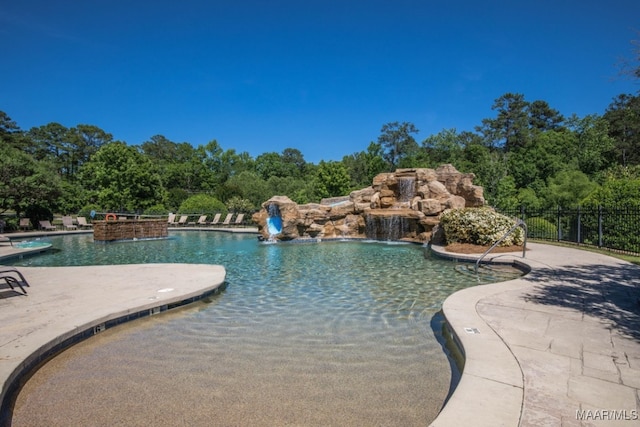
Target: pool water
<point>335,333</point>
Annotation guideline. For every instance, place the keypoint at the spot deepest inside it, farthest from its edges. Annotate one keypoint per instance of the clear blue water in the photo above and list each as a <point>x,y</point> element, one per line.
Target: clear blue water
<point>306,334</point>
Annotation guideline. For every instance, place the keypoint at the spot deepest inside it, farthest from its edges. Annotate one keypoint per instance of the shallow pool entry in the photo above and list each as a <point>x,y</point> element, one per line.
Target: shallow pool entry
<point>337,333</point>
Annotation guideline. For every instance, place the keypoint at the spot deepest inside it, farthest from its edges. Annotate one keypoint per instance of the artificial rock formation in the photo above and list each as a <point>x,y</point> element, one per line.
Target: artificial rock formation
<point>403,205</point>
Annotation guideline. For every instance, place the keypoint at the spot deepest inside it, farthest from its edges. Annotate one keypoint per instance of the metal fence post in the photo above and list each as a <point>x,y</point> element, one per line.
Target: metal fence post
<point>600,226</point>
<point>559,225</point>
<point>578,237</point>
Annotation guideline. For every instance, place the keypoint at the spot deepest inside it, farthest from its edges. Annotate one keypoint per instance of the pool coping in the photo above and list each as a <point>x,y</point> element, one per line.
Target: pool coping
<point>518,374</point>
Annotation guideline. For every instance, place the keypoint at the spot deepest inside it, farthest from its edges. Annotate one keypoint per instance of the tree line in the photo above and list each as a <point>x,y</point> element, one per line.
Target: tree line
<point>526,154</point>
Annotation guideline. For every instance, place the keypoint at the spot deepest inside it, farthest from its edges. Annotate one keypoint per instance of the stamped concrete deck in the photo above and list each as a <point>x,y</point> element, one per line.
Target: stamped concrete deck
<point>557,347</point>
<point>64,303</point>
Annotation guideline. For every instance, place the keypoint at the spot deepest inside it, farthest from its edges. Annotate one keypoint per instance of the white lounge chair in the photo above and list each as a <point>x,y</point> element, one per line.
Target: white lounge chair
<point>202,220</point>
<point>239,219</point>
<point>67,223</point>
<point>25,224</point>
<point>46,225</point>
<point>227,219</point>
<point>216,219</point>
<point>183,220</point>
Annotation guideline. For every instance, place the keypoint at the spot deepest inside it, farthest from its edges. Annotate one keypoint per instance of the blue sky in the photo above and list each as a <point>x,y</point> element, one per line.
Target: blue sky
<point>319,76</point>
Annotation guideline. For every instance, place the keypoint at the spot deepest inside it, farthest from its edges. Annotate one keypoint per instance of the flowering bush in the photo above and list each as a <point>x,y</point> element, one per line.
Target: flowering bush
<point>480,226</point>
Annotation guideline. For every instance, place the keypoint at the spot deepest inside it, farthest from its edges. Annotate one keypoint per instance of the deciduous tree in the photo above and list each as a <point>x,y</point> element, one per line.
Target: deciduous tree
<point>332,180</point>
<point>120,178</point>
<point>397,142</point>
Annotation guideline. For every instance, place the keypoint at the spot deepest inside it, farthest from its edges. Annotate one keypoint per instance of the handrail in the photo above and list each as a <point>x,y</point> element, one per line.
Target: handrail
<point>519,223</point>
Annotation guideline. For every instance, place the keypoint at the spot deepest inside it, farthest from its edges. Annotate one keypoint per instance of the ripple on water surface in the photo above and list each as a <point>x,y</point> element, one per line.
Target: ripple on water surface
<point>334,333</point>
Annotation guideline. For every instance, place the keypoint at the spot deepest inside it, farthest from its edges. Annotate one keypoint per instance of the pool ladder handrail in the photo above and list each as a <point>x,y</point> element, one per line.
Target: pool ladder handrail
<point>519,223</point>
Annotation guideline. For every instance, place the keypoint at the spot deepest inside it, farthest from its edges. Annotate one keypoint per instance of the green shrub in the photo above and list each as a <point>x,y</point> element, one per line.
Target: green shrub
<point>158,209</point>
<point>201,203</point>
<point>479,226</point>
<point>540,228</point>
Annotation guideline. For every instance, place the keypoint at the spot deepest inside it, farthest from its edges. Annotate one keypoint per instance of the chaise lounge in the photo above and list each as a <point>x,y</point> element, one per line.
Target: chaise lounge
<point>25,224</point>
<point>227,220</point>
<point>13,277</point>
<point>216,219</point>
<point>239,220</point>
<point>68,224</point>
<point>46,225</point>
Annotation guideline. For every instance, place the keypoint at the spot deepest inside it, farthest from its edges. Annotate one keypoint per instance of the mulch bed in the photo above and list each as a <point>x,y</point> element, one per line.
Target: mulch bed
<point>469,248</point>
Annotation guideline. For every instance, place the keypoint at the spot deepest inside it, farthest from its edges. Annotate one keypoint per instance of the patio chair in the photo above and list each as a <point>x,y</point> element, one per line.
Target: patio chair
<point>239,220</point>
<point>5,239</point>
<point>46,225</point>
<point>216,219</point>
<point>227,219</point>
<point>82,222</point>
<point>13,277</point>
<point>67,223</point>
<point>172,219</point>
<point>183,220</point>
<point>202,220</point>
<point>25,224</point>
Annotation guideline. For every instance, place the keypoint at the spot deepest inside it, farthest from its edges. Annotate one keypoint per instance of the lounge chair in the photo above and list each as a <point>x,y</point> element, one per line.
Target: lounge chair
<point>183,220</point>
<point>82,222</point>
<point>227,219</point>
<point>239,219</point>
<point>25,224</point>
<point>5,239</point>
<point>67,223</point>
<point>202,220</point>
<point>46,225</point>
<point>172,219</point>
<point>13,278</point>
<point>216,219</point>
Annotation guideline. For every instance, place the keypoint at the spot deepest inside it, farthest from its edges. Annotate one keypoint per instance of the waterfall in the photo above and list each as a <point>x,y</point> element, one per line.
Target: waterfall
<point>273,210</point>
<point>392,227</point>
<point>406,189</point>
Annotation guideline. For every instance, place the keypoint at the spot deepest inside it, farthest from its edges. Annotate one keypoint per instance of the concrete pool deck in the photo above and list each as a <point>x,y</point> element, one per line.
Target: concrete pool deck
<point>556,345</point>
<point>559,346</point>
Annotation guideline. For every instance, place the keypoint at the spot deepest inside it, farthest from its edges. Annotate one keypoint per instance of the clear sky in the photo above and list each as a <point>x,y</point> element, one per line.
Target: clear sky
<point>319,76</point>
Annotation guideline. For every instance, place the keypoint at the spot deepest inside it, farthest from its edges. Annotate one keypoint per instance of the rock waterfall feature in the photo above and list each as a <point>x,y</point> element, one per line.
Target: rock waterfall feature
<point>403,205</point>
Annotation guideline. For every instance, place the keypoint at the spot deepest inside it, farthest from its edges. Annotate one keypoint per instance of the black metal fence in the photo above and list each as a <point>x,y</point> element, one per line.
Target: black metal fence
<point>613,228</point>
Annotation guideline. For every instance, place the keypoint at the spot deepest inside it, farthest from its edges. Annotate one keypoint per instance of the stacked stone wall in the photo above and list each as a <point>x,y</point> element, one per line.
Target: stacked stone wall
<point>109,231</point>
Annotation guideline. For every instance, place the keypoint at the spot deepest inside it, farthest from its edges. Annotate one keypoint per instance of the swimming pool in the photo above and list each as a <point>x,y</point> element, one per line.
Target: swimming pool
<point>310,334</point>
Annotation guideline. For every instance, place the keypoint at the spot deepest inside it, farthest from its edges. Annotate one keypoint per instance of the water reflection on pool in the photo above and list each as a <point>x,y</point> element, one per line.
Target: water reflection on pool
<point>337,333</point>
